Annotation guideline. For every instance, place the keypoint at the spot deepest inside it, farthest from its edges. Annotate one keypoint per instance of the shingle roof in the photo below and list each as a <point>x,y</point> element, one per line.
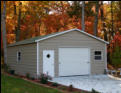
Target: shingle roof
<point>39,38</point>
<point>31,40</point>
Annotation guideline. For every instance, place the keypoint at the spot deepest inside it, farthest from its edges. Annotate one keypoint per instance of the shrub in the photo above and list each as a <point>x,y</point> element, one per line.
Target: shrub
<point>94,91</point>
<point>55,84</point>
<point>44,78</point>
<point>105,71</point>
<point>28,75</point>
<point>32,78</point>
<point>62,87</point>
<point>12,72</point>
<point>16,74</point>
<point>116,57</point>
<point>6,67</point>
<point>71,87</point>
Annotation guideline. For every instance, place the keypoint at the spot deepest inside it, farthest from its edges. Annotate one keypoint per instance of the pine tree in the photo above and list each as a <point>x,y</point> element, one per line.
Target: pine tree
<point>116,57</point>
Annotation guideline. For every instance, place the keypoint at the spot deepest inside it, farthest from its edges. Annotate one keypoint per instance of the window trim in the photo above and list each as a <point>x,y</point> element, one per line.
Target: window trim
<point>17,56</point>
<point>98,55</point>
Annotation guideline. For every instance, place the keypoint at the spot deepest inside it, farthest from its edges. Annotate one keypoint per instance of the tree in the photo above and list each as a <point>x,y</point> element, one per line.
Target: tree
<point>116,57</point>
<point>103,21</point>
<point>83,23</point>
<point>75,9</point>
<point>114,50</point>
<point>17,32</point>
<point>4,31</point>
<point>112,27</point>
<point>96,18</point>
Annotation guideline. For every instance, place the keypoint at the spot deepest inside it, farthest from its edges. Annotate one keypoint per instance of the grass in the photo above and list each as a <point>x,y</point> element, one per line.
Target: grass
<point>17,85</point>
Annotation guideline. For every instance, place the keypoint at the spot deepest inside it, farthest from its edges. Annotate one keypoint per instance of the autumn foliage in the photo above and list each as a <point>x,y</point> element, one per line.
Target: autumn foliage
<point>114,49</point>
<point>45,17</point>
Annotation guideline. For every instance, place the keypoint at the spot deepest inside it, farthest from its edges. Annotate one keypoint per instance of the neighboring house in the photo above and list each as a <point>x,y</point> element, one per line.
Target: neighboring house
<point>67,53</point>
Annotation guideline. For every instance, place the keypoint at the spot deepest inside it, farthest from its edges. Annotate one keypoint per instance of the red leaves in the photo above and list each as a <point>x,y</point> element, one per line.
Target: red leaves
<point>35,21</point>
<point>28,17</point>
<point>116,41</point>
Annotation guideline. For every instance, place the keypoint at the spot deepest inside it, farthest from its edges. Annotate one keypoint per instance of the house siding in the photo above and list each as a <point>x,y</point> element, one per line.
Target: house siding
<point>74,39</point>
<point>28,62</point>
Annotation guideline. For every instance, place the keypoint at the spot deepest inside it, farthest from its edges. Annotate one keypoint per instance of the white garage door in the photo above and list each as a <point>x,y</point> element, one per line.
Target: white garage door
<point>74,61</point>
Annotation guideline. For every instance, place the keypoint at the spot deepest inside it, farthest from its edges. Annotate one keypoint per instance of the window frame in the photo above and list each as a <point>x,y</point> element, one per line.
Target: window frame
<point>98,55</point>
<point>18,60</point>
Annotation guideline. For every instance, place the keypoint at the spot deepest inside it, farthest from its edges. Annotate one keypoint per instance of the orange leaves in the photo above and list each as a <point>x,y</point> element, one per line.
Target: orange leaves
<point>23,27</point>
<point>11,38</point>
<point>54,22</point>
<point>116,41</point>
<point>28,17</point>
<point>89,24</point>
<point>37,20</point>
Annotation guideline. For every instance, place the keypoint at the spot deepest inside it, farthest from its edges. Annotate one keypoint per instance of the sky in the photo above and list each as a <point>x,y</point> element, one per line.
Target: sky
<point>71,3</point>
<point>103,1</point>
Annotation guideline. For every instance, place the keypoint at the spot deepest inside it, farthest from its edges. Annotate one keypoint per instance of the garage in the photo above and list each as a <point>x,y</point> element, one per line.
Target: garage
<point>74,61</point>
<point>67,53</point>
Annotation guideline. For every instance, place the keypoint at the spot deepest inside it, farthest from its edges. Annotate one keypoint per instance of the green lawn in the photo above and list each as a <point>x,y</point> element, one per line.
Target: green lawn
<point>16,85</point>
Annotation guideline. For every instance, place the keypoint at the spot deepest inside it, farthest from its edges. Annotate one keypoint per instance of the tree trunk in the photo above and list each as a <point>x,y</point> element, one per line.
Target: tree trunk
<point>96,18</point>
<point>103,22</point>
<point>4,31</point>
<point>112,29</point>
<point>19,23</point>
<point>14,9</point>
<point>83,23</point>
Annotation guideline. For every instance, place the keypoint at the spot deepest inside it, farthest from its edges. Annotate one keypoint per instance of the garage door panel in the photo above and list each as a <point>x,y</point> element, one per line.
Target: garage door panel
<point>73,61</point>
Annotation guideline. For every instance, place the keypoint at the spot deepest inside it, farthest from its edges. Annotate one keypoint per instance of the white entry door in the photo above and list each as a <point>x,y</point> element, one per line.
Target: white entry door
<point>48,62</point>
<point>74,61</point>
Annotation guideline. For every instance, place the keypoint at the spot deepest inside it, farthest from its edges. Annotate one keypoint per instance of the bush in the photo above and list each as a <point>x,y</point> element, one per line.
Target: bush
<point>32,78</point>
<point>28,75</point>
<point>55,84</point>
<point>94,91</point>
<point>44,78</point>
<point>12,72</point>
<point>70,87</point>
<point>6,67</point>
<point>62,87</point>
<point>105,71</point>
<point>16,74</point>
<point>116,57</point>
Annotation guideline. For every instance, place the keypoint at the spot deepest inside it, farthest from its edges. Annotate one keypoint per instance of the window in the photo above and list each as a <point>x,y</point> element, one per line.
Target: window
<point>48,55</point>
<point>97,55</point>
<point>18,56</point>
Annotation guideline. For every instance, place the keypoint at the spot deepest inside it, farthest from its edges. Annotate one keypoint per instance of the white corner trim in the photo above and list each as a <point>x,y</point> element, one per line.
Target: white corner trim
<point>70,31</point>
<point>106,57</point>
<point>38,73</point>
<point>17,57</point>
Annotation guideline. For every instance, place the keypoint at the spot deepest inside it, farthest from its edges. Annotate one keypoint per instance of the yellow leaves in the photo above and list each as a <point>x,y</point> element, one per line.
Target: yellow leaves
<point>23,9</point>
<point>11,38</point>
<point>24,2</point>
<point>36,12</point>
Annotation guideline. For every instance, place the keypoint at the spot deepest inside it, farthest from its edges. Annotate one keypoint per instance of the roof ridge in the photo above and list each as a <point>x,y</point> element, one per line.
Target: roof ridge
<point>39,38</point>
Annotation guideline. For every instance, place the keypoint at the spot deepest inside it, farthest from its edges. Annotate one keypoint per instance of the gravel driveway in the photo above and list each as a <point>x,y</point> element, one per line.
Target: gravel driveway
<point>101,83</point>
